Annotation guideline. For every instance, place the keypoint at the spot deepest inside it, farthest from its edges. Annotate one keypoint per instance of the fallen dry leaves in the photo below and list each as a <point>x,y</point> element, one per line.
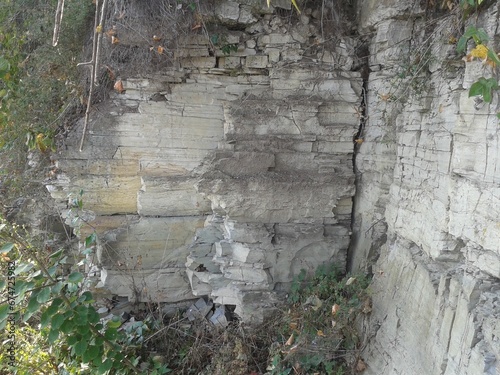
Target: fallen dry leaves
<point>119,87</point>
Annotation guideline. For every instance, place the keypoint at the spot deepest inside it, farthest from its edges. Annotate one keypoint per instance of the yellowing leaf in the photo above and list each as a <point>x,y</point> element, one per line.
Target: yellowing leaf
<point>161,50</point>
<point>40,142</point>
<point>98,29</point>
<point>481,52</point>
<point>320,333</point>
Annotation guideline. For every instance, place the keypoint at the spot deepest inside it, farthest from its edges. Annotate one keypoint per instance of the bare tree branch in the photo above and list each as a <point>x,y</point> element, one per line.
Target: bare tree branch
<point>99,39</point>
<point>57,23</point>
<point>96,46</point>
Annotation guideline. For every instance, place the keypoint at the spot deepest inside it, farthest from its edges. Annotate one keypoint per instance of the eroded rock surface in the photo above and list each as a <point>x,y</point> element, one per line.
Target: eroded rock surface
<point>426,216</point>
<point>227,174</point>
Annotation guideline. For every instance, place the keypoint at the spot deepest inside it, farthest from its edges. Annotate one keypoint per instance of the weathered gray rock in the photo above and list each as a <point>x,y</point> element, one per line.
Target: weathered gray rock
<point>228,173</point>
<point>228,12</point>
<point>241,175</point>
<point>167,285</point>
<point>426,204</point>
<point>273,199</point>
<point>443,305</point>
<point>170,196</point>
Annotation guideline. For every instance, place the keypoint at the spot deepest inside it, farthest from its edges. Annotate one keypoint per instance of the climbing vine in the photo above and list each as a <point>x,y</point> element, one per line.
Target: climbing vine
<point>483,87</point>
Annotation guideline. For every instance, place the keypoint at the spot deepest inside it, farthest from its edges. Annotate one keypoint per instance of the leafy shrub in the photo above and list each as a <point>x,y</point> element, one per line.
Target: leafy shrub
<point>320,328</point>
<point>39,84</point>
<point>55,313</point>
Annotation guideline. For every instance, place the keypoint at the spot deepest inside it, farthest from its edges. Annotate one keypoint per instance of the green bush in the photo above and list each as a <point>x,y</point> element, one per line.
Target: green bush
<point>39,84</point>
<point>319,333</point>
<point>50,315</point>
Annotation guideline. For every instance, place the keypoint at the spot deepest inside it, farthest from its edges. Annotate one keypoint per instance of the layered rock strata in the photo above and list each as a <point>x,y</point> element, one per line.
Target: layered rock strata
<point>227,174</point>
<point>426,217</point>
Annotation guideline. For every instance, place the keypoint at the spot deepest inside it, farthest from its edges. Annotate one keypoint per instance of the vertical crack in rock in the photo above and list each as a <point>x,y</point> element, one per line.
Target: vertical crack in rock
<point>363,56</point>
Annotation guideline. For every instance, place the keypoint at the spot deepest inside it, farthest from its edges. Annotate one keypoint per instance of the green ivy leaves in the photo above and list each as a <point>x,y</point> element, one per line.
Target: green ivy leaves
<point>4,312</point>
<point>6,248</point>
<point>479,35</point>
<point>43,296</point>
<point>484,88</point>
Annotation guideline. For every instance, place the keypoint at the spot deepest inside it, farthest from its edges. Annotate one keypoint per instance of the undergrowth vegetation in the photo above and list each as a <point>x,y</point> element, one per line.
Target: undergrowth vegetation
<point>51,323</point>
<point>39,83</point>
<point>482,49</point>
<point>314,332</point>
<point>320,329</point>
<point>49,316</point>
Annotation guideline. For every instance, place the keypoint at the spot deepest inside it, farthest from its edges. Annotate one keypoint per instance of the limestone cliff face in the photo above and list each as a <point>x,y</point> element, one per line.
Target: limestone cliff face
<point>225,174</point>
<point>426,208</point>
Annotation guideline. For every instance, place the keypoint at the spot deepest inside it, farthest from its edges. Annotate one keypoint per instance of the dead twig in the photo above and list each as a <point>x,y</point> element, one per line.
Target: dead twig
<point>96,46</point>
<point>164,328</point>
<point>99,40</point>
<point>57,23</point>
